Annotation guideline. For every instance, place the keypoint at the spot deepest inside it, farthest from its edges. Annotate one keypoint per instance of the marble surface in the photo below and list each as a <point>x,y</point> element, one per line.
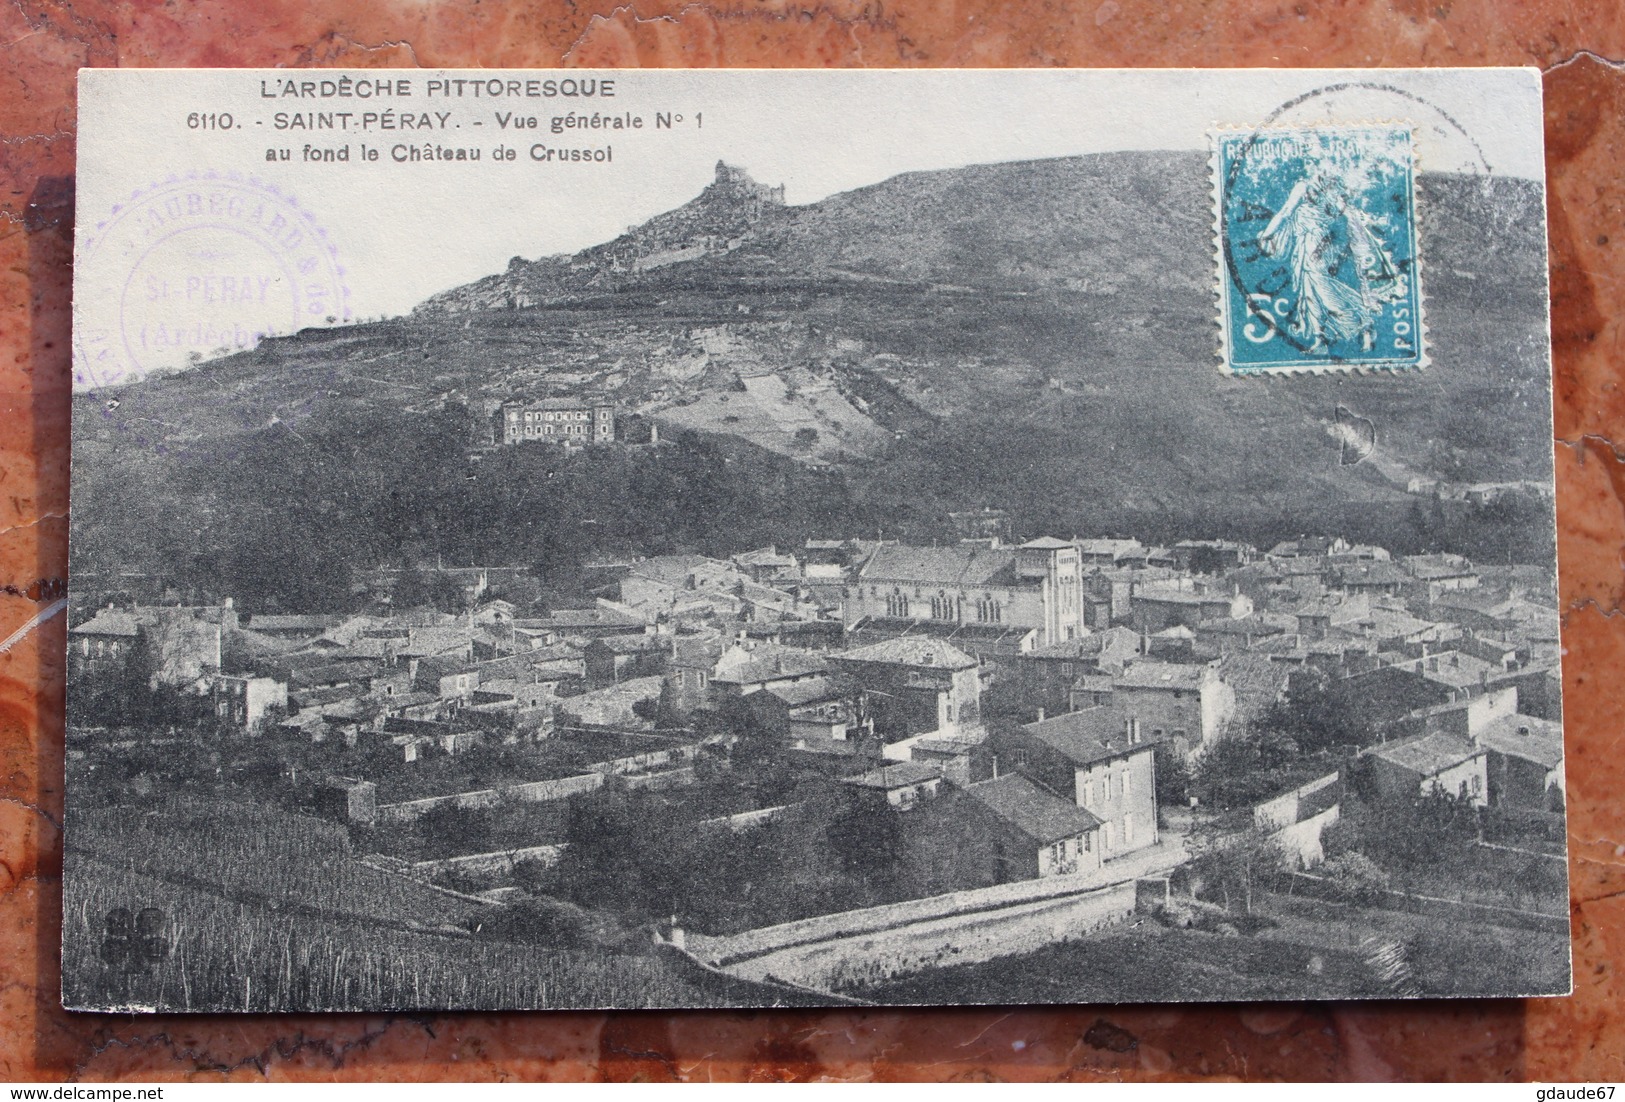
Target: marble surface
<point>43,43</point>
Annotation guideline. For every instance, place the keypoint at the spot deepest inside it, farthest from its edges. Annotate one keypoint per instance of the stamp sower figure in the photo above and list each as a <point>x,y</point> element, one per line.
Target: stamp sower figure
<point>1340,273</point>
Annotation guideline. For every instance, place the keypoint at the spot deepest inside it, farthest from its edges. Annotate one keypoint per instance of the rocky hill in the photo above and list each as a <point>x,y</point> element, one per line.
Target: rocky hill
<point>1037,335</point>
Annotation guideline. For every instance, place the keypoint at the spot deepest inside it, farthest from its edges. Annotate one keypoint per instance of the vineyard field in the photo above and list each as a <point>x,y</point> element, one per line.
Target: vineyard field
<point>224,955</point>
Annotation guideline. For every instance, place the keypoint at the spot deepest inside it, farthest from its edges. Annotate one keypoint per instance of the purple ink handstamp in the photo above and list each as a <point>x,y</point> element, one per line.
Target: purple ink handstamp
<point>195,267</point>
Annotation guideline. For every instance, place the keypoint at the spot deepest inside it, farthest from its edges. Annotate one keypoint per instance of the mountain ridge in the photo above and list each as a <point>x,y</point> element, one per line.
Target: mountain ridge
<point>1039,335</point>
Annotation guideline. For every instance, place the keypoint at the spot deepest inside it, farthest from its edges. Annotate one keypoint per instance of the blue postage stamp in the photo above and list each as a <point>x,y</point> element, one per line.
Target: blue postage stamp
<point>1316,234</point>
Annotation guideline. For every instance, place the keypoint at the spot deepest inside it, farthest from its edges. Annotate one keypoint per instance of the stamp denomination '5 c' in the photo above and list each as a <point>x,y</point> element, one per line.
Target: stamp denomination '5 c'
<point>1316,233</point>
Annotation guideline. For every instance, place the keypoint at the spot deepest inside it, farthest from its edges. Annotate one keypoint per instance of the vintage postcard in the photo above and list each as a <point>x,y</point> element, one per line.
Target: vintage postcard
<point>783,538</point>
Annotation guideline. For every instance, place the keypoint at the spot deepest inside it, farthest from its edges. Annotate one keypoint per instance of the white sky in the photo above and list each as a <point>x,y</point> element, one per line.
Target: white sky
<point>405,231</point>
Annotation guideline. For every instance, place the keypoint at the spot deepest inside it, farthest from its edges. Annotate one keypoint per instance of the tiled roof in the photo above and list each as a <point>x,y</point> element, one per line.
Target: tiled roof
<point>1247,625</point>
<point>364,648</point>
<point>560,403</point>
<point>764,556</point>
<point>563,619</point>
<point>108,621</point>
<point>1112,547</point>
<point>899,775</point>
<point>1428,567</point>
<point>397,702</point>
<point>770,664</point>
<point>629,644</point>
<point>1217,545</point>
<point>313,624</point>
<point>443,666</point>
<point>1179,596</point>
<point>1035,811</point>
<point>1084,646</point>
<point>1376,573</point>
<point>947,744</point>
<point>1428,755</point>
<point>1257,679</point>
<point>1518,736</point>
<point>317,698</point>
<point>814,690</point>
<point>974,638</point>
<point>1085,737</point>
<point>956,566</point>
<point>911,651</point>
<point>1288,645</point>
<point>675,569</point>
<point>335,672</point>
<point>1162,675</point>
<point>1491,602</point>
<point>696,651</point>
<point>1455,669</point>
<point>1389,623</point>
<point>433,641</point>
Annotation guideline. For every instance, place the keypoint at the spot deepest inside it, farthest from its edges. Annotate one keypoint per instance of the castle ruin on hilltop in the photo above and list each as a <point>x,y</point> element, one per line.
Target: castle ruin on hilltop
<point>715,221</point>
<point>738,184</point>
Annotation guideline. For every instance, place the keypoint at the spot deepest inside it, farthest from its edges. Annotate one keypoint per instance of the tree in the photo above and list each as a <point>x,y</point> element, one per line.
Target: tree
<point>1173,778</point>
<point>624,856</point>
<point>1412,839</point>
<point>549,922</point>
<point>1355,878</point>
<point>732,720</point>
<point>1239,866</point>
<point>1313,717</point>
<point>1232,773</point>
<point>866,836</point>
<point>1208,560</point>
<point>411,589</point>
<point>668,712</point>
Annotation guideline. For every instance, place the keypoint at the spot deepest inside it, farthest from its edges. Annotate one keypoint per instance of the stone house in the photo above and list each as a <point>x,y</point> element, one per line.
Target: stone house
<point>1045,677</point>
<point>1098,759</point>
<point>1524,763</point>
<point>616,658</point>
<point>819,714</point>
<point>1440,762</point>
<point>1030,832</point>
<point>742,671</point>
<point>1189,705</point>
<point>104,642</point>
<point>244,702</point>
<point>911,687</point>
<point>1157,607</point>
<point>449,678</point>
<point>574,422</point>
<point>902,785</point>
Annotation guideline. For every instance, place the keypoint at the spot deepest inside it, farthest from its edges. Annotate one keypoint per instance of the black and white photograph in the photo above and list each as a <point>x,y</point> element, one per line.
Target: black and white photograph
<point>619,539</point>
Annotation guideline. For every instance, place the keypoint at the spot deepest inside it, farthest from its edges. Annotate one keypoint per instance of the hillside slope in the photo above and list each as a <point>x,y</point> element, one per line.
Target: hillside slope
<point>1037,335</point>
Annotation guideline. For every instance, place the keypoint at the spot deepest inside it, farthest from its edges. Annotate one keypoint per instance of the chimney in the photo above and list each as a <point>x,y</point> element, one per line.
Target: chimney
<point>1040,715</point>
